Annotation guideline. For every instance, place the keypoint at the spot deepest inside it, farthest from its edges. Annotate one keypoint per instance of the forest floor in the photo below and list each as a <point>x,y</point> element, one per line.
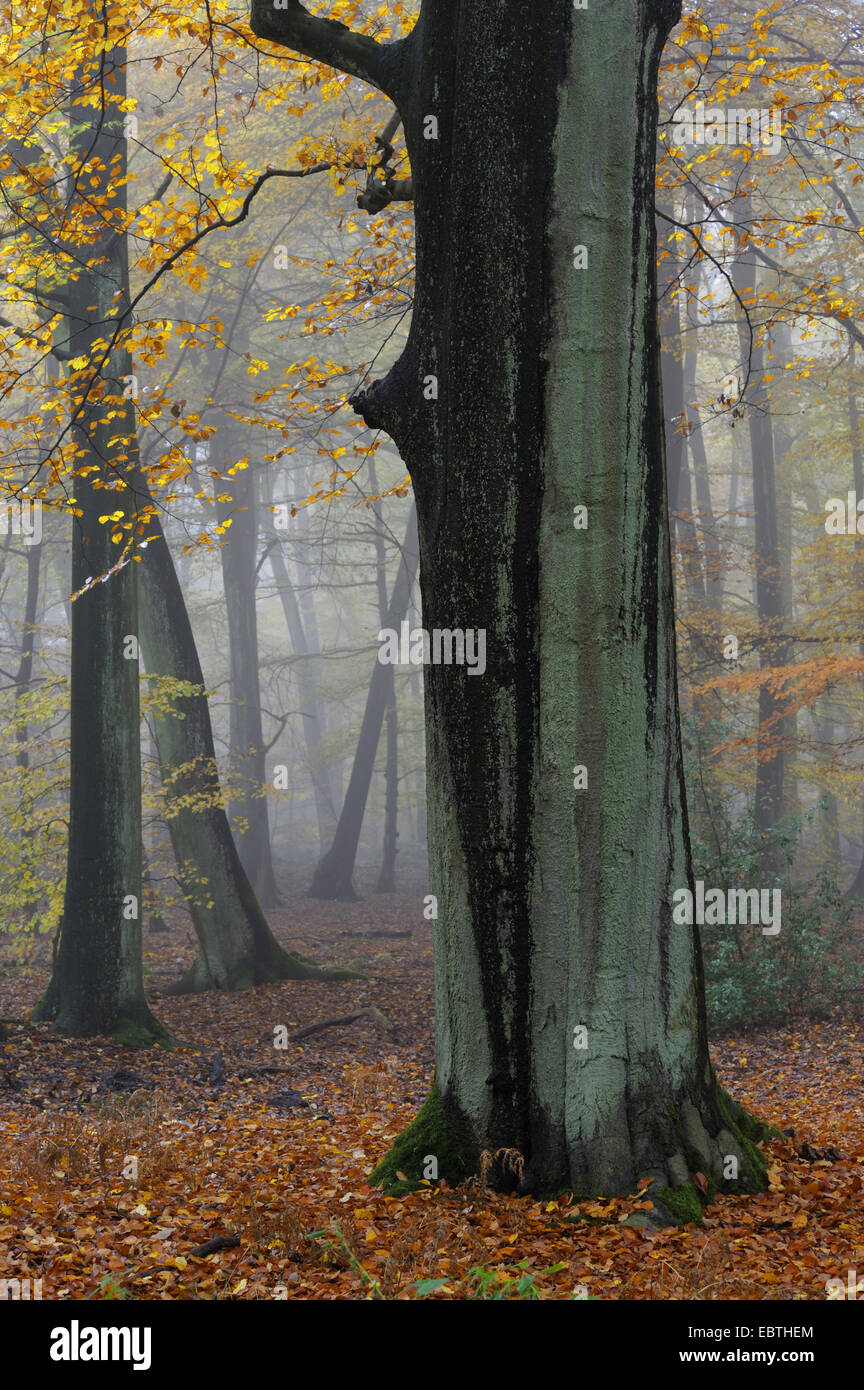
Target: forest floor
<point>270,1149</point>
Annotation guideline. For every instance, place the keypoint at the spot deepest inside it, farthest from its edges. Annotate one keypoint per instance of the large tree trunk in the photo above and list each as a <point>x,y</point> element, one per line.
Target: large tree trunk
<point>334,876</point>
<point>554,904</point>
<point>96,986</point>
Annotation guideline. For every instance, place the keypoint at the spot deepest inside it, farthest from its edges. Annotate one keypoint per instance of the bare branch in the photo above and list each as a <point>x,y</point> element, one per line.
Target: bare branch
<point>324,41</point>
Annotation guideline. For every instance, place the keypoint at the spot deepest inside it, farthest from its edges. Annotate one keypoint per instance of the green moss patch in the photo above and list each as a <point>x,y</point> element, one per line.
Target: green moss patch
<point>428,1135</point>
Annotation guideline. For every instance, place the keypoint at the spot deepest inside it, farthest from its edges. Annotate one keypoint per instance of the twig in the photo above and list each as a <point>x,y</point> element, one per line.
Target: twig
<point>369,1012</point>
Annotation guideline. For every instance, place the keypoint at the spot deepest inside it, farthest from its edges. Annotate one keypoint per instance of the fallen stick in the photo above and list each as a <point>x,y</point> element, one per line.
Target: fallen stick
<point>391,935</point>
<point>210,1247</point>
<point>369,1012</point>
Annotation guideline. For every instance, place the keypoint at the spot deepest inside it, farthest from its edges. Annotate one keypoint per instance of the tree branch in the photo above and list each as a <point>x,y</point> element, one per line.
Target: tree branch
<point>324,41</point>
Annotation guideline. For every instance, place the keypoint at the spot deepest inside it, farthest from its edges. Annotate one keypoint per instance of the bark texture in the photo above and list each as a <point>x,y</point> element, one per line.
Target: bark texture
<point>97,986</point>
<point>554,904</point>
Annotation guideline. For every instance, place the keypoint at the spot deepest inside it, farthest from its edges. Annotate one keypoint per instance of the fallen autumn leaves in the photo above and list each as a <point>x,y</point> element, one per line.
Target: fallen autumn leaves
<point>236,1193</point>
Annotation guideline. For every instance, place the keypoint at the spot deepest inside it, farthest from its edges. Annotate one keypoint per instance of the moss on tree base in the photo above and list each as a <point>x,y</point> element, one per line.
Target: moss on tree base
<point>678,1201</point>
<point>140,1029</point>
<point>131,1033</point>
<point>429,1136</point>
<point>248,973</point>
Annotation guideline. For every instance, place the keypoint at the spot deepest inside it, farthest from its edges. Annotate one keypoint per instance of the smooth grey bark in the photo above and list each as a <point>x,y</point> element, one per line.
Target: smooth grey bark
<point>248,811</point>
<point>25,674</point>
<point>677,467</point>
<point>783,436</point>
<point>28,646</point>
<point>325,810</point>
<point>711,550</point>
<point>770,760</point>
<point>554,904</point>
<point>334,875</point>
<point>304,641</point>
<point>826,734</point>
<point>856,888</point>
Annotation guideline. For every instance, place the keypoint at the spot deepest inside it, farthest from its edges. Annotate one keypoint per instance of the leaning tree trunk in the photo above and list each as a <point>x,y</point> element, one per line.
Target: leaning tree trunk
<point>236,948</point>
<point>570,1027</point>
<point>97,984</point>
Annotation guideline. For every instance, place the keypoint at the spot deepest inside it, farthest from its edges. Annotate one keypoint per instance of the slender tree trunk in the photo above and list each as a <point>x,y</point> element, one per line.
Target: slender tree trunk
<point>28,647</point>
<point>386,878</point>
<point>785,543</point>
<point>704,504</point>
<point>23,680</point>
<point>768,800</point>
<point>570,1028</point>
<point>248,811</point>
<point>97,984</point>
<point>305,646</point>
<point>389,849</point>
<point>856,888</point>
<point>827,734</point>
<point>334,876</point>
<point>677,469</point>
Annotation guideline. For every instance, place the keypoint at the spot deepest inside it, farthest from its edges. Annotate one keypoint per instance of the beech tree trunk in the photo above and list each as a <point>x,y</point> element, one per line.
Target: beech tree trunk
<point>248,812</point>
<point>97,985</point>
<point>304,640</point>
<point>554,904</point>
<point>236,948</point>
<point>768,797</point>
<point>856,888</point>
